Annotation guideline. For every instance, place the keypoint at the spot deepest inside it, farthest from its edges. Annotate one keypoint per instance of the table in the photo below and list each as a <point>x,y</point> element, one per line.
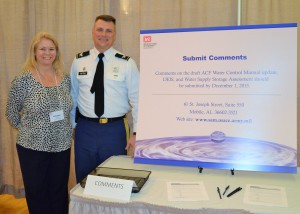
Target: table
<point>153,196</point>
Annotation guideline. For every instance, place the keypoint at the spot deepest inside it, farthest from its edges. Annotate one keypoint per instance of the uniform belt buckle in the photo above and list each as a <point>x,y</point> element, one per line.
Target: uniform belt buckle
<point>103,120</point>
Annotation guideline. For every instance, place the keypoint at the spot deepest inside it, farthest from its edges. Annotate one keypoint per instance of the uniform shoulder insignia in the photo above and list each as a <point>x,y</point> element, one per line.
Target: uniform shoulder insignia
<point>122,56</point>
<point>82,54</point>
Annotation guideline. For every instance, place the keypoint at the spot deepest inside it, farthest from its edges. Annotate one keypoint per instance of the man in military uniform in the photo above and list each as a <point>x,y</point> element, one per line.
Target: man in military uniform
<point>101,135</point>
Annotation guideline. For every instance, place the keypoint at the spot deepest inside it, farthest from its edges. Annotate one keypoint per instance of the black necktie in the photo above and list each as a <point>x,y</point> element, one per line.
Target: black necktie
<point>98,87</point>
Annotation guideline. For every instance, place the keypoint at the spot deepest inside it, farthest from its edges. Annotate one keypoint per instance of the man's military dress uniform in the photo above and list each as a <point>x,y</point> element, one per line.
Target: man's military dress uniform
<point>96,139</point>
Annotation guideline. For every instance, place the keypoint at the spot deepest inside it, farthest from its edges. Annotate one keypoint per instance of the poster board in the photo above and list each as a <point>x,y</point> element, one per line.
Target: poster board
<point>219,97</point>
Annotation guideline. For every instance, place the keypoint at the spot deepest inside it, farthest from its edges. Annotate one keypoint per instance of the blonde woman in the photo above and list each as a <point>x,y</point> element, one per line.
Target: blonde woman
<point>39,105</point>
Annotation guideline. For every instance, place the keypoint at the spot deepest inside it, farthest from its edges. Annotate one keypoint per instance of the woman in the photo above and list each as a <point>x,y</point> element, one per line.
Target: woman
<point>38,105</point>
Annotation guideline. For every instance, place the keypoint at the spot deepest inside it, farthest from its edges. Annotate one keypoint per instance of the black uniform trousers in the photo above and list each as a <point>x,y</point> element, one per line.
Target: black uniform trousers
<point>45,176</point>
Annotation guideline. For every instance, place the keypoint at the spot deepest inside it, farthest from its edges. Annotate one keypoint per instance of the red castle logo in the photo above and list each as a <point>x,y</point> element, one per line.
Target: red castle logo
<point>147,38</point>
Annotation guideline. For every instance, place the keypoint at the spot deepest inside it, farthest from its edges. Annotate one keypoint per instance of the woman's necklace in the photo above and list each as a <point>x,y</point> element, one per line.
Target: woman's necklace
<point>56,114</point>
<point>48,82</point>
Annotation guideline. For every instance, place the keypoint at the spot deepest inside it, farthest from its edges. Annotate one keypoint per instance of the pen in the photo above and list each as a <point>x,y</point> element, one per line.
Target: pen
<point>218,189</point>
<point>226,190</point>
<point>234,191</point>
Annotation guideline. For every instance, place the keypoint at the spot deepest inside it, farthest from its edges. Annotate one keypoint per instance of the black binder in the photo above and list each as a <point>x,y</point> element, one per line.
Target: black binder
<point>139,177</point>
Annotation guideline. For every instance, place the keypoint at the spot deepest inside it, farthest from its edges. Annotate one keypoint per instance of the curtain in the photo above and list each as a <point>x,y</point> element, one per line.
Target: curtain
<point>71,22</point>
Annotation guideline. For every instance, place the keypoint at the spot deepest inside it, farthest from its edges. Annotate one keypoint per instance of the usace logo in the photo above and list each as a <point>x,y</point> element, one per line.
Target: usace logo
<point>148,42</point>
<point>147,38</point>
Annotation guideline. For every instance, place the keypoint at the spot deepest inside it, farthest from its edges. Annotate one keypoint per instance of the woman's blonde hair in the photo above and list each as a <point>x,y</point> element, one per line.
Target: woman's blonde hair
<point>31,64</point>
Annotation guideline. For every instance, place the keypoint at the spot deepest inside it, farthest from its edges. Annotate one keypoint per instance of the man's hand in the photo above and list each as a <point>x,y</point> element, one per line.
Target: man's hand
<point>130,145</point>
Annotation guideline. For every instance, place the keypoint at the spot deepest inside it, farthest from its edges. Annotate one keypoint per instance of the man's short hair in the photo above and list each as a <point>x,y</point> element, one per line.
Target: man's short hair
<point>106,18</point>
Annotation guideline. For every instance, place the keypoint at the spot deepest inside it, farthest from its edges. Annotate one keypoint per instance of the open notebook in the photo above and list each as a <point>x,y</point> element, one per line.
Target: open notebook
<point>138,176</point>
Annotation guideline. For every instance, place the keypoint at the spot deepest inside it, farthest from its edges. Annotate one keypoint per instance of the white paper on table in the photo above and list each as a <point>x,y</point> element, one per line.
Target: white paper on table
<point>187,191</point>
<point>265,195</point>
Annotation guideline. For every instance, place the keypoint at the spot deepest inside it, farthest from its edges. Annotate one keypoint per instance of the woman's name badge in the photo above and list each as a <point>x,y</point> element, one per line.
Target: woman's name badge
<point>56,116</point>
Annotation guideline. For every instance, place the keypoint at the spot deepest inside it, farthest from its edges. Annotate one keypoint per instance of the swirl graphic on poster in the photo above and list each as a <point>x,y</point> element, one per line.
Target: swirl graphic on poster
<point>217,148</point>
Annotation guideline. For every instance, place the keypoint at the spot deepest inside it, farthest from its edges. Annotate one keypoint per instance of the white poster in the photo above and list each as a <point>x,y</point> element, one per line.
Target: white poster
<point>219,97</point>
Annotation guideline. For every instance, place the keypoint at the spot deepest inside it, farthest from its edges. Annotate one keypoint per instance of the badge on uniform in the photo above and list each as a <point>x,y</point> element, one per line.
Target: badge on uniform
<point>83,54</point>
<point>83,72</point>
<point>115,70</point>
<point>118,55</point>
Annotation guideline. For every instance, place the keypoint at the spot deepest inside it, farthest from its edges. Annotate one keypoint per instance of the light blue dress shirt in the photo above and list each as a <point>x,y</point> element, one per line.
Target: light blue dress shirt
<point>121,85</point>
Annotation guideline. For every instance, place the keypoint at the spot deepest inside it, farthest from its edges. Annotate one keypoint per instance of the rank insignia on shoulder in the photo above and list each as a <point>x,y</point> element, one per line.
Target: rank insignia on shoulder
<point>122,56</point>
<point>82,54</point>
